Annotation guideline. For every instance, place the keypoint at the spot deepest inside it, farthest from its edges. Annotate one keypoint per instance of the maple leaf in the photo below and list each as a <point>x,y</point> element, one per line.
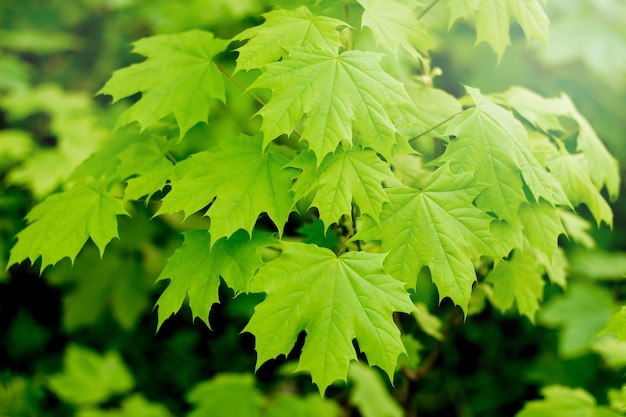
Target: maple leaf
<point>493,20</point>
<point>334,299</point>
<point>178,77</point>
<point>340,95</point>
<point>395,26</point>
<point>53,234</point>
<point>284,29</point>
<point>343,177</point>
<point>438,228</point>
<point>494,146</point>
<point>243,180</point>
<point>572,171</point>
<point>135,405</point>
<point>550,114</point>
<point>542,226</point>
<point>518,280</point>
<point>195,270</point>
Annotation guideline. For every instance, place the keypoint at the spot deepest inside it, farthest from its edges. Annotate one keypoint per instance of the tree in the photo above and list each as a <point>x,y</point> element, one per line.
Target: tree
<point>312,168</point>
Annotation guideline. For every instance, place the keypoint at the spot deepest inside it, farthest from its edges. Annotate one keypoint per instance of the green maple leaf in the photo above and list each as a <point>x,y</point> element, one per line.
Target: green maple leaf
<point>195,270</point>
<point>395,26</point>
<point>370,395</point>
<point>355,175</point>
<point>493,20</point>
<point>518,280</point>
<point>90,378</point>
<point>617,325</point>
<point>243,180</point>
<point>552,114</point>
<point>493,145</point>
<point>226,395</point>
<point>334,299</point>
<point>438,227</point>
<point>341,95</point>
<point>53,234</point>
<point>542,226</point>
<point>565,402</point>
<point>178,77</point>
<point>460,9</point>
<point>284,29</point>
<point>572,171</point>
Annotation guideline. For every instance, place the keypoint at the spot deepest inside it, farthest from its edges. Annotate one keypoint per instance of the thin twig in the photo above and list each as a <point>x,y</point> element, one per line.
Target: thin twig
<point>435,126</point>
<point>240,85</point>
<point>427,9</point>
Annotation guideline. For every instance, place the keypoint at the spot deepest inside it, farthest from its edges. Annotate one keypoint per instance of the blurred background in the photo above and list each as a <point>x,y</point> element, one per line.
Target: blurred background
<point>81,340</point>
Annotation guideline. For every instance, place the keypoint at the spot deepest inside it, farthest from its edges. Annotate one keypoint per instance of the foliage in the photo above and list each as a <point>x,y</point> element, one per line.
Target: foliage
<point>301,177</point>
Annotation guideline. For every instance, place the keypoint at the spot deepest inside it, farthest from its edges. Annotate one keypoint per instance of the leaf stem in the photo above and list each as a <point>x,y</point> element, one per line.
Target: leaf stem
<point>436,126</point>
<point>427,9</point>
<point>240,85</point>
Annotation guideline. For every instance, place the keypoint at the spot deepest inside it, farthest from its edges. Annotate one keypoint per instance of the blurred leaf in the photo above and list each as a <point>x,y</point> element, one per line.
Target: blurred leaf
<point>617,325</point>
<point>429,323</point>
<point>564,402</point>
<point>310,406</point>
<point>226,395</point>
<point>133,406</point>
<point>411,358</point>
<point>369,393</point>
<point>612,351</point>
<point>580,313</point>
<point>19,397</point>
<point>90,378</point>
<point>598,265</point>
<point>39,41</point>
<point>116,283</point>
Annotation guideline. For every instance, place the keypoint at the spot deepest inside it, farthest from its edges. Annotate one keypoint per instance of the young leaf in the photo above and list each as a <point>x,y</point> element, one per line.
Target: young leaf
<point>565,402</point>
<point>310,406</point>
<point>580,314</point>
<point>53,234</point>
<point>341,95</point>
<point>438,227</point>
<point>395,26</point>
<point>542,226</point>
<point>370,395</point>
<point>90,378</point>
<point>493,145</point>
<point>195,270</point>
<point>134,406</point>
<point>518,280</point>
<point>285,29</point>
<point>617,325</point>
<point>243,180</point>
<point>572,171</point>
<point>355,175</point>
<point>178,77</point>
<point>493,20</point>
<point>334,299</point>
<point>226,395</point>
